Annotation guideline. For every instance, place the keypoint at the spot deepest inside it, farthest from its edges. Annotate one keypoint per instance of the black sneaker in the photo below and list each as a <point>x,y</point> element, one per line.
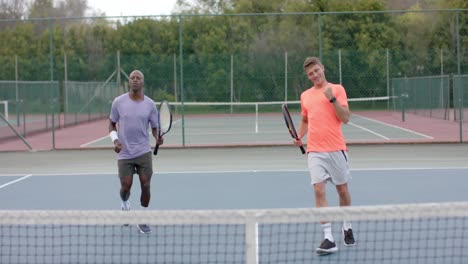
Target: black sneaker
<point>348,238</point>
<point>327,247</point>
<point>144,229</point>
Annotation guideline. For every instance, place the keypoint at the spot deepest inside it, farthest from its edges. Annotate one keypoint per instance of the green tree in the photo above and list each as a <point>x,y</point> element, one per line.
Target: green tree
<point>42,9</point>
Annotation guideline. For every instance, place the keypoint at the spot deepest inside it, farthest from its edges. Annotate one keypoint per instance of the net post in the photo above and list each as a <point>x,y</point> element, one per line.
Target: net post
<point>5,108</point>
<point>256,117</point>
<point>5,103</point>
<point>403,108</point>
<point>404,95</point>
<point>388,76</point>
<point>251,240</point>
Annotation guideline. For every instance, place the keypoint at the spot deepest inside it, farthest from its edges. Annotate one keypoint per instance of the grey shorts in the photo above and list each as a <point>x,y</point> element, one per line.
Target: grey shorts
<point>329,166</point>
<point>142,165</point>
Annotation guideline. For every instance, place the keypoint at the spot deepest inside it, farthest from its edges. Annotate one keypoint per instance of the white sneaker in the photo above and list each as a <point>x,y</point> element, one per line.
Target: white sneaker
<point>125,206</point>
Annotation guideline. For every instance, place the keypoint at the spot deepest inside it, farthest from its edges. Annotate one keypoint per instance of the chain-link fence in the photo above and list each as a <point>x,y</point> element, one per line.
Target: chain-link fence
<point>69,70</point>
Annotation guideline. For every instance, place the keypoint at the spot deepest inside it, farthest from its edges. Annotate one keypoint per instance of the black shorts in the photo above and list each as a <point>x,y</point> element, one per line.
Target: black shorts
<point>142,165</point>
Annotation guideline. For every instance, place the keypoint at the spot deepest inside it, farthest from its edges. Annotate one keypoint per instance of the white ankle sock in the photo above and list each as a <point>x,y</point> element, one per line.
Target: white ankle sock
<point>327,232</point>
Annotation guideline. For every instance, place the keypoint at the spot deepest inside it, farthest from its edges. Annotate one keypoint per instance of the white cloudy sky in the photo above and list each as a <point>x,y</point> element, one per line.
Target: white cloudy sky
<point>133,7</point>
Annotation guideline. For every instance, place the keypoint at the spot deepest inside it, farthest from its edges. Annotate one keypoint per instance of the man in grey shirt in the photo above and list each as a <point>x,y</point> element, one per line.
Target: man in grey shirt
<point>131,114</point>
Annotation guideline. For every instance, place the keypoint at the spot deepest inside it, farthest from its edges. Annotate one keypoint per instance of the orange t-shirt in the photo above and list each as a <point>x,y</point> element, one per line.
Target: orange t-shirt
<point>324,127</point>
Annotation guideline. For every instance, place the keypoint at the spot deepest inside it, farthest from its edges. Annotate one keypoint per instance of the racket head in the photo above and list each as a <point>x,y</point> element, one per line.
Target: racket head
<point>165,118</point>
<point>289,122</point>
<point>165,121</point>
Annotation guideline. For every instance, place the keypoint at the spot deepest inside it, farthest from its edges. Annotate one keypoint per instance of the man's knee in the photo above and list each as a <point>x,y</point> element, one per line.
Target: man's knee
<point>146,185</point>
<point>126,181</point>
<point>342,190</point>
<point>319,190</point>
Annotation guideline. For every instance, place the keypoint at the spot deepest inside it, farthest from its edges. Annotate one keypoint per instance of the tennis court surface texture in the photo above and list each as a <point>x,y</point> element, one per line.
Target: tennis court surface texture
<point>234,205</point>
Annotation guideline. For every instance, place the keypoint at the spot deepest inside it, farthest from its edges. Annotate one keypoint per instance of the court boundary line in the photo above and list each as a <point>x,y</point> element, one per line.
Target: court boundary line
<point>94,141</point>
<point>15,181</point>
<point>394,126</point>
<point>368,130</point>
<point>227,171</point>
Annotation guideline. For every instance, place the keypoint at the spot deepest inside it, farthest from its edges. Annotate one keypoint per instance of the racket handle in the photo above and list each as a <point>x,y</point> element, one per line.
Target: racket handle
<point>302,150</point>
<point>155,152</point>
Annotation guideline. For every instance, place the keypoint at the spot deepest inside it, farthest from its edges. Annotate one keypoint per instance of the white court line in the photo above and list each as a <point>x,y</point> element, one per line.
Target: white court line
<point>230,171</point>
<point>411,168</point>
<point>397,127</point>
<point>15,181</point>
<point>368,130</point>
<point>65,174</point>
<point>94,141</point>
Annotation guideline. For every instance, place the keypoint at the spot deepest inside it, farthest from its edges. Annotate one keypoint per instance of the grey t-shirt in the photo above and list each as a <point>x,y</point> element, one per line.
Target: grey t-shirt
<point>133,120</point>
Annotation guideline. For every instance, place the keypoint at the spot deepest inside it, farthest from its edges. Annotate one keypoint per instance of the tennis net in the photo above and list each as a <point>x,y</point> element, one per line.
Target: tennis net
<point>257,108</point>
<point>249,123</point>
<point>409,233</point>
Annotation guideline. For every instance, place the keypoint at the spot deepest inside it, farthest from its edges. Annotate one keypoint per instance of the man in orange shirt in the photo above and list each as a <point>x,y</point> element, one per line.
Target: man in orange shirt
<point>324,107</point>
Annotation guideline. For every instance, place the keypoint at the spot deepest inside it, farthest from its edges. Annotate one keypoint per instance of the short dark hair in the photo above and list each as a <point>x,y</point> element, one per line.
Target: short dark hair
<point>311,61</point>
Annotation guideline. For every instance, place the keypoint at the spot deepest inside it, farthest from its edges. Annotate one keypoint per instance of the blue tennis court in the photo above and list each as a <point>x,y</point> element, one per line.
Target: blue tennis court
<point>211,212</point>
<point>230,189</point>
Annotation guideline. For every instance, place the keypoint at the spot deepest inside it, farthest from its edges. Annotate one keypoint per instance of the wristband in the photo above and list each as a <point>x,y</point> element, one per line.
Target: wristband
<point>113,135</point>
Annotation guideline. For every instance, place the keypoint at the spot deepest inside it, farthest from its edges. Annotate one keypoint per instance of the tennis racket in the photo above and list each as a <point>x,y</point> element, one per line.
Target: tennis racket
<point>165,122</point>
<point>290,125</point>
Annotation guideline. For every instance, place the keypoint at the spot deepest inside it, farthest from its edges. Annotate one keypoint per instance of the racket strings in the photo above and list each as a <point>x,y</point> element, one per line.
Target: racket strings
<point>165,118</point>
